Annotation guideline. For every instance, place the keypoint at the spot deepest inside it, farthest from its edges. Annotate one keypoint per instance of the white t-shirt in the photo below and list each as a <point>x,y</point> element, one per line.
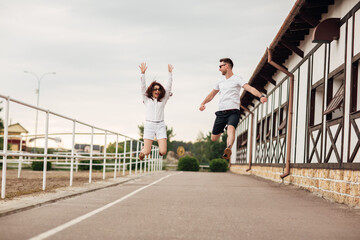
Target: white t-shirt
<point>154,108</point>
<point>229,92</point>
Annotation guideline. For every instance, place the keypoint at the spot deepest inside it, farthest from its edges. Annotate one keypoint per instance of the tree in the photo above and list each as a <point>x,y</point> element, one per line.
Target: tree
<point>175,144</point>
<point>205,150</point>
<point>112,147</point>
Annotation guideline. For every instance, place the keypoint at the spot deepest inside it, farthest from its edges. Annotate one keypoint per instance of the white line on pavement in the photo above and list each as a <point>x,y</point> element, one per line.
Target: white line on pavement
<point>85,216</point>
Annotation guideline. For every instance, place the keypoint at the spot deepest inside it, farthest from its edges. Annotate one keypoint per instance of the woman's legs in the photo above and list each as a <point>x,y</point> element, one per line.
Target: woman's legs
<point>147,146</point>
<point>146,149</point>
<point>162,146</point>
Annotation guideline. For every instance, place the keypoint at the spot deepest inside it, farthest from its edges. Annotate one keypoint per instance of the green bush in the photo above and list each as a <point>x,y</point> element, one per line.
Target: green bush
<point>39,166</point>
<point>94,167</point>
<point>188,163</point>
<point>218,165</point>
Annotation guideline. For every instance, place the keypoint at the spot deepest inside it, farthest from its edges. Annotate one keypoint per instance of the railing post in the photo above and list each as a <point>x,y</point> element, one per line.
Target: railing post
<point>141,162</point>
<point>45,149</point>
<point>130,165</point>
<point>5,146</point>
<point>116,154</point>
<point>104,168</point>
<point>153,159</point>
<point>157,160</point>
<point>124,163</point>
<point>20,158</point>
<point>91,154</point>
<point>137,156</point>
<point>72,154</point>
<point>145,159</point>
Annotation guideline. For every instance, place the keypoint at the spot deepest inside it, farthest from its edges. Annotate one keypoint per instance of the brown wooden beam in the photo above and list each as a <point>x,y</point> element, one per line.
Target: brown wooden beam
<point>309,19</point>
<point>293,48</point>
<point>269,79</point>
<point>293,39</point>
<point>298,31</point>
<point>261,89</point>
<point>300,25</point>
<point>318,3</point>
<point>279,65</point>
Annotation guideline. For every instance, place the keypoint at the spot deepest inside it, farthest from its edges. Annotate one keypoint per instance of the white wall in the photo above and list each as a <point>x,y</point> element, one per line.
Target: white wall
<point>302,134</point>
<point>318,63</point>
<point>318,114</point>
<point>284,92</point>
<point>337,50</point>
<point>357,33</point>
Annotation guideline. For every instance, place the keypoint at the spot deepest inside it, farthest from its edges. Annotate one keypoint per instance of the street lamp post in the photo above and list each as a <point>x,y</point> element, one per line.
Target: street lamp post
<point>37,102</point>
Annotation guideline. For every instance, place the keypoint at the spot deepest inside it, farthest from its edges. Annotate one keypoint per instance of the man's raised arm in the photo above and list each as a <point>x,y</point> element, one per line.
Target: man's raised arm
<point>208,99</point>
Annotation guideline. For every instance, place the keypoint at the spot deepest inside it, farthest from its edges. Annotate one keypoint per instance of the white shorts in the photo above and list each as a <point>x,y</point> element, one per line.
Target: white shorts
<point>154,129</point>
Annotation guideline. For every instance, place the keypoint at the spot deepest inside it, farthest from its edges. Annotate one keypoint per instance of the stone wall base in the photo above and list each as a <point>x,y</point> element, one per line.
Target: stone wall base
<point>341,186</point>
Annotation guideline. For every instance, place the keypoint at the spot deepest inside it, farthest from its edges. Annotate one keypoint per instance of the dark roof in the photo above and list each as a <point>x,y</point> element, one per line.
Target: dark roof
<point>304,15</point>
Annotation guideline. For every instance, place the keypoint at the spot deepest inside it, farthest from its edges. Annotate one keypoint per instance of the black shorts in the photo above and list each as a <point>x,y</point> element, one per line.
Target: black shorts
<point>226,117</point>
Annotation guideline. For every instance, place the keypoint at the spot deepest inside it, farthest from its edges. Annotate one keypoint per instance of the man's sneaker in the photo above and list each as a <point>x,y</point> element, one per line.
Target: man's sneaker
<point>227,153</point>
<point>141,156</point>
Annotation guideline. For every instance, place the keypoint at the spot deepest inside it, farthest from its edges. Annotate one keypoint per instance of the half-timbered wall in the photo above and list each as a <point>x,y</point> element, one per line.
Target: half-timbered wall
<point>325,144</point>
<point>318,77</point>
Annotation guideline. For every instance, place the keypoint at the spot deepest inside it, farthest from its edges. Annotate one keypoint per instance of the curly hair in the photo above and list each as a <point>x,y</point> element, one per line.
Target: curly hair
<point>149,90</point>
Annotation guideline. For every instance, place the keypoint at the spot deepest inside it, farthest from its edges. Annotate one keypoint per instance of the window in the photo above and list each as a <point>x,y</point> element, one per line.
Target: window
<point>282,120</point>
<point>316,103</point>
<point>274,126</point>
<point>335,96</point>
<point>263,129</point>
<point>354,92</point>
<point>268,130</point>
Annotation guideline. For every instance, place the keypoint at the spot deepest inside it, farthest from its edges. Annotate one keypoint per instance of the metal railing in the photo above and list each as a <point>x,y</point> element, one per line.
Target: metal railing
<point>71,158</point>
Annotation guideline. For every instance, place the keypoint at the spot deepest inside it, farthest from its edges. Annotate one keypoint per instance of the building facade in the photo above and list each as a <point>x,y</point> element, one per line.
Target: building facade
<point>308,133</point>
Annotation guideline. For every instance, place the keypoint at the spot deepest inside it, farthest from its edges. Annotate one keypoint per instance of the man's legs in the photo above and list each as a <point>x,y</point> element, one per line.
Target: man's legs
<point>233,121</point>
<point>215,137</point>
<point>229,142</point>
<point>223,118</point>
<point>231,136</point>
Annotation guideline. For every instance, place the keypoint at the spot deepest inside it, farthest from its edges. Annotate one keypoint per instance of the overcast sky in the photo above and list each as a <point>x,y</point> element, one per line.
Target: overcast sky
<point>95,48</point>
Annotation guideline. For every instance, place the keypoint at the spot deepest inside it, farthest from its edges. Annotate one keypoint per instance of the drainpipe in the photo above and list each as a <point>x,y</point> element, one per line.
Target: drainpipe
<point>251,135</point>
<point>290,111</point>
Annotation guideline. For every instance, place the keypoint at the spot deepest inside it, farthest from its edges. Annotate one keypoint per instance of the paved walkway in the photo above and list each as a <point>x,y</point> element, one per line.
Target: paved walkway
<point>187,205</point>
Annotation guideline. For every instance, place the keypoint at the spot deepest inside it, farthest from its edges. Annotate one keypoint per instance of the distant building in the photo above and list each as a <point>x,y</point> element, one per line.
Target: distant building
<point>85,148</point>
<point>16,137</point>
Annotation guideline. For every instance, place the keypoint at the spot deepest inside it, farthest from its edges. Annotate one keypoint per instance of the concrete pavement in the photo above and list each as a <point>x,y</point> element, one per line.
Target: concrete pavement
<point>187,205</point>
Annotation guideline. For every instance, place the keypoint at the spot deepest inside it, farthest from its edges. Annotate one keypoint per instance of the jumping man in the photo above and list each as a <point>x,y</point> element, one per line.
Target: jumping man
<point>228,87</point>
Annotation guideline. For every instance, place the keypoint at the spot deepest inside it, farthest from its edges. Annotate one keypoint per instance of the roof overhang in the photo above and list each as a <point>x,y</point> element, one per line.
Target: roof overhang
<point>305,15</point>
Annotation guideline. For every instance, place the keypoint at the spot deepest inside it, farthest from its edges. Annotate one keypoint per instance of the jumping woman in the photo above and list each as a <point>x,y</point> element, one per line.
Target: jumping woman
<point>154,98</point>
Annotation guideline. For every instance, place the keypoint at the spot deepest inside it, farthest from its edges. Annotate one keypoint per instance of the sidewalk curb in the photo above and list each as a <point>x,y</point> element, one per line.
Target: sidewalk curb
<point>11,211</point>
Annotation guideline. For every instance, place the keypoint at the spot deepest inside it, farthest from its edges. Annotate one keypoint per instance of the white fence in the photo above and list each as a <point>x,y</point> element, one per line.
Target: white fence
<point>71,158</point>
